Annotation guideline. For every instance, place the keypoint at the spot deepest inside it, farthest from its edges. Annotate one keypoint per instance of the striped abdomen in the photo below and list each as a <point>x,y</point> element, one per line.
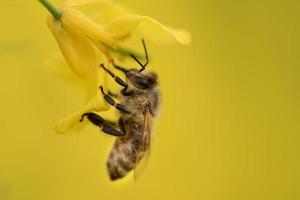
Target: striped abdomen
<point>123,156</point>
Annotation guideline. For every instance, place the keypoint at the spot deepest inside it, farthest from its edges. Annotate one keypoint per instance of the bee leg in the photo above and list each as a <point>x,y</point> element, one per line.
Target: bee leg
<point>102,123</point>
<point>115,77</point>
<point>112,102</point>
<point>110,93</point>
<point>112,123</point>
<point>118,67</point>
<point>124,90</point>
<point>121,125</point>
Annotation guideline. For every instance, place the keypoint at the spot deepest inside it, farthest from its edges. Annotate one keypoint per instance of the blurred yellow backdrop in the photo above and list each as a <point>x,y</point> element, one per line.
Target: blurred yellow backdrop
<point>229,127</point>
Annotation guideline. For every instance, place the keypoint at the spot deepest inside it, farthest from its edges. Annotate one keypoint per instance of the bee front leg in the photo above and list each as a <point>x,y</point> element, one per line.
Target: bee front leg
<point>115,77</point>
<point>102,123</point>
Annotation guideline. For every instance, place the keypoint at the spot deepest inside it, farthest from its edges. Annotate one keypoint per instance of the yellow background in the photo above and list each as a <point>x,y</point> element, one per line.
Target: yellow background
<point>229,127</point>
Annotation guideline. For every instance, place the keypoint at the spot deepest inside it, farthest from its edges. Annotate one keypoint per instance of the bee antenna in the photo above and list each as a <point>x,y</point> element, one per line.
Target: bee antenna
<point>146,55</point>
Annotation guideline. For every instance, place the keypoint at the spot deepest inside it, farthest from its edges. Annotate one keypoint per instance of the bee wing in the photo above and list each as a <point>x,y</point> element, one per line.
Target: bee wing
<point>143,152</point>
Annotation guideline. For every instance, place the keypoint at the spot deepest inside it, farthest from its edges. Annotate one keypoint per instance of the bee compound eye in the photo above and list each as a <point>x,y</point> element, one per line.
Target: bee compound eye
<point>142,82</point>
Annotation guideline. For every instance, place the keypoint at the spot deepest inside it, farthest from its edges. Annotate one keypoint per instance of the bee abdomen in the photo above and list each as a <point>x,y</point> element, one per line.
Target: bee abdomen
<point>120,163</point>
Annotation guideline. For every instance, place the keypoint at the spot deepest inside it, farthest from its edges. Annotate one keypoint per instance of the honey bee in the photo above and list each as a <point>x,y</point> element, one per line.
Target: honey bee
<point>139,102</point>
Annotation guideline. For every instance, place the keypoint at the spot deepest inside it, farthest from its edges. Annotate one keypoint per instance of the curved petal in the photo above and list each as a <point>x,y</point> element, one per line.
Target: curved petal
<point>96,104</point>
<point>77,22</point>
<point>106,12</point>
<point>68,123</point>
<point>78,51</point>
<point>150,28</point>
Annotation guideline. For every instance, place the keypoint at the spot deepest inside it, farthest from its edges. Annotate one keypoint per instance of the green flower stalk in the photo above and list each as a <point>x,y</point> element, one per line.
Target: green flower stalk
<point>55,12</point>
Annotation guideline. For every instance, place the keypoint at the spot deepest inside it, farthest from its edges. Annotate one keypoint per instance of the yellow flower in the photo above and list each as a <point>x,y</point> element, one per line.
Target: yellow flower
<point>74,33</point>
<point>85,44</point>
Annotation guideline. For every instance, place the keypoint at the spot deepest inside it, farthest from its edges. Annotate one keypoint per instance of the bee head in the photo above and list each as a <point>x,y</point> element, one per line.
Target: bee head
<point>142,80</point>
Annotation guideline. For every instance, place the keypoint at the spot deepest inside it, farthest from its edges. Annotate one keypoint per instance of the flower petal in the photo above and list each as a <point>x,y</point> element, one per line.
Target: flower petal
<point>75,21</point>
<point>106,12</point>
<point>96,104</point>
<point>72,121</point>
<point>78,51</point>
<point>150,28</point>
<point>84,2</point>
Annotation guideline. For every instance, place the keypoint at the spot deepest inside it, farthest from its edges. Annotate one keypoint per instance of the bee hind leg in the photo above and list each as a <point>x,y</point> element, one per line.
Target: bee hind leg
<point>104,125</point>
